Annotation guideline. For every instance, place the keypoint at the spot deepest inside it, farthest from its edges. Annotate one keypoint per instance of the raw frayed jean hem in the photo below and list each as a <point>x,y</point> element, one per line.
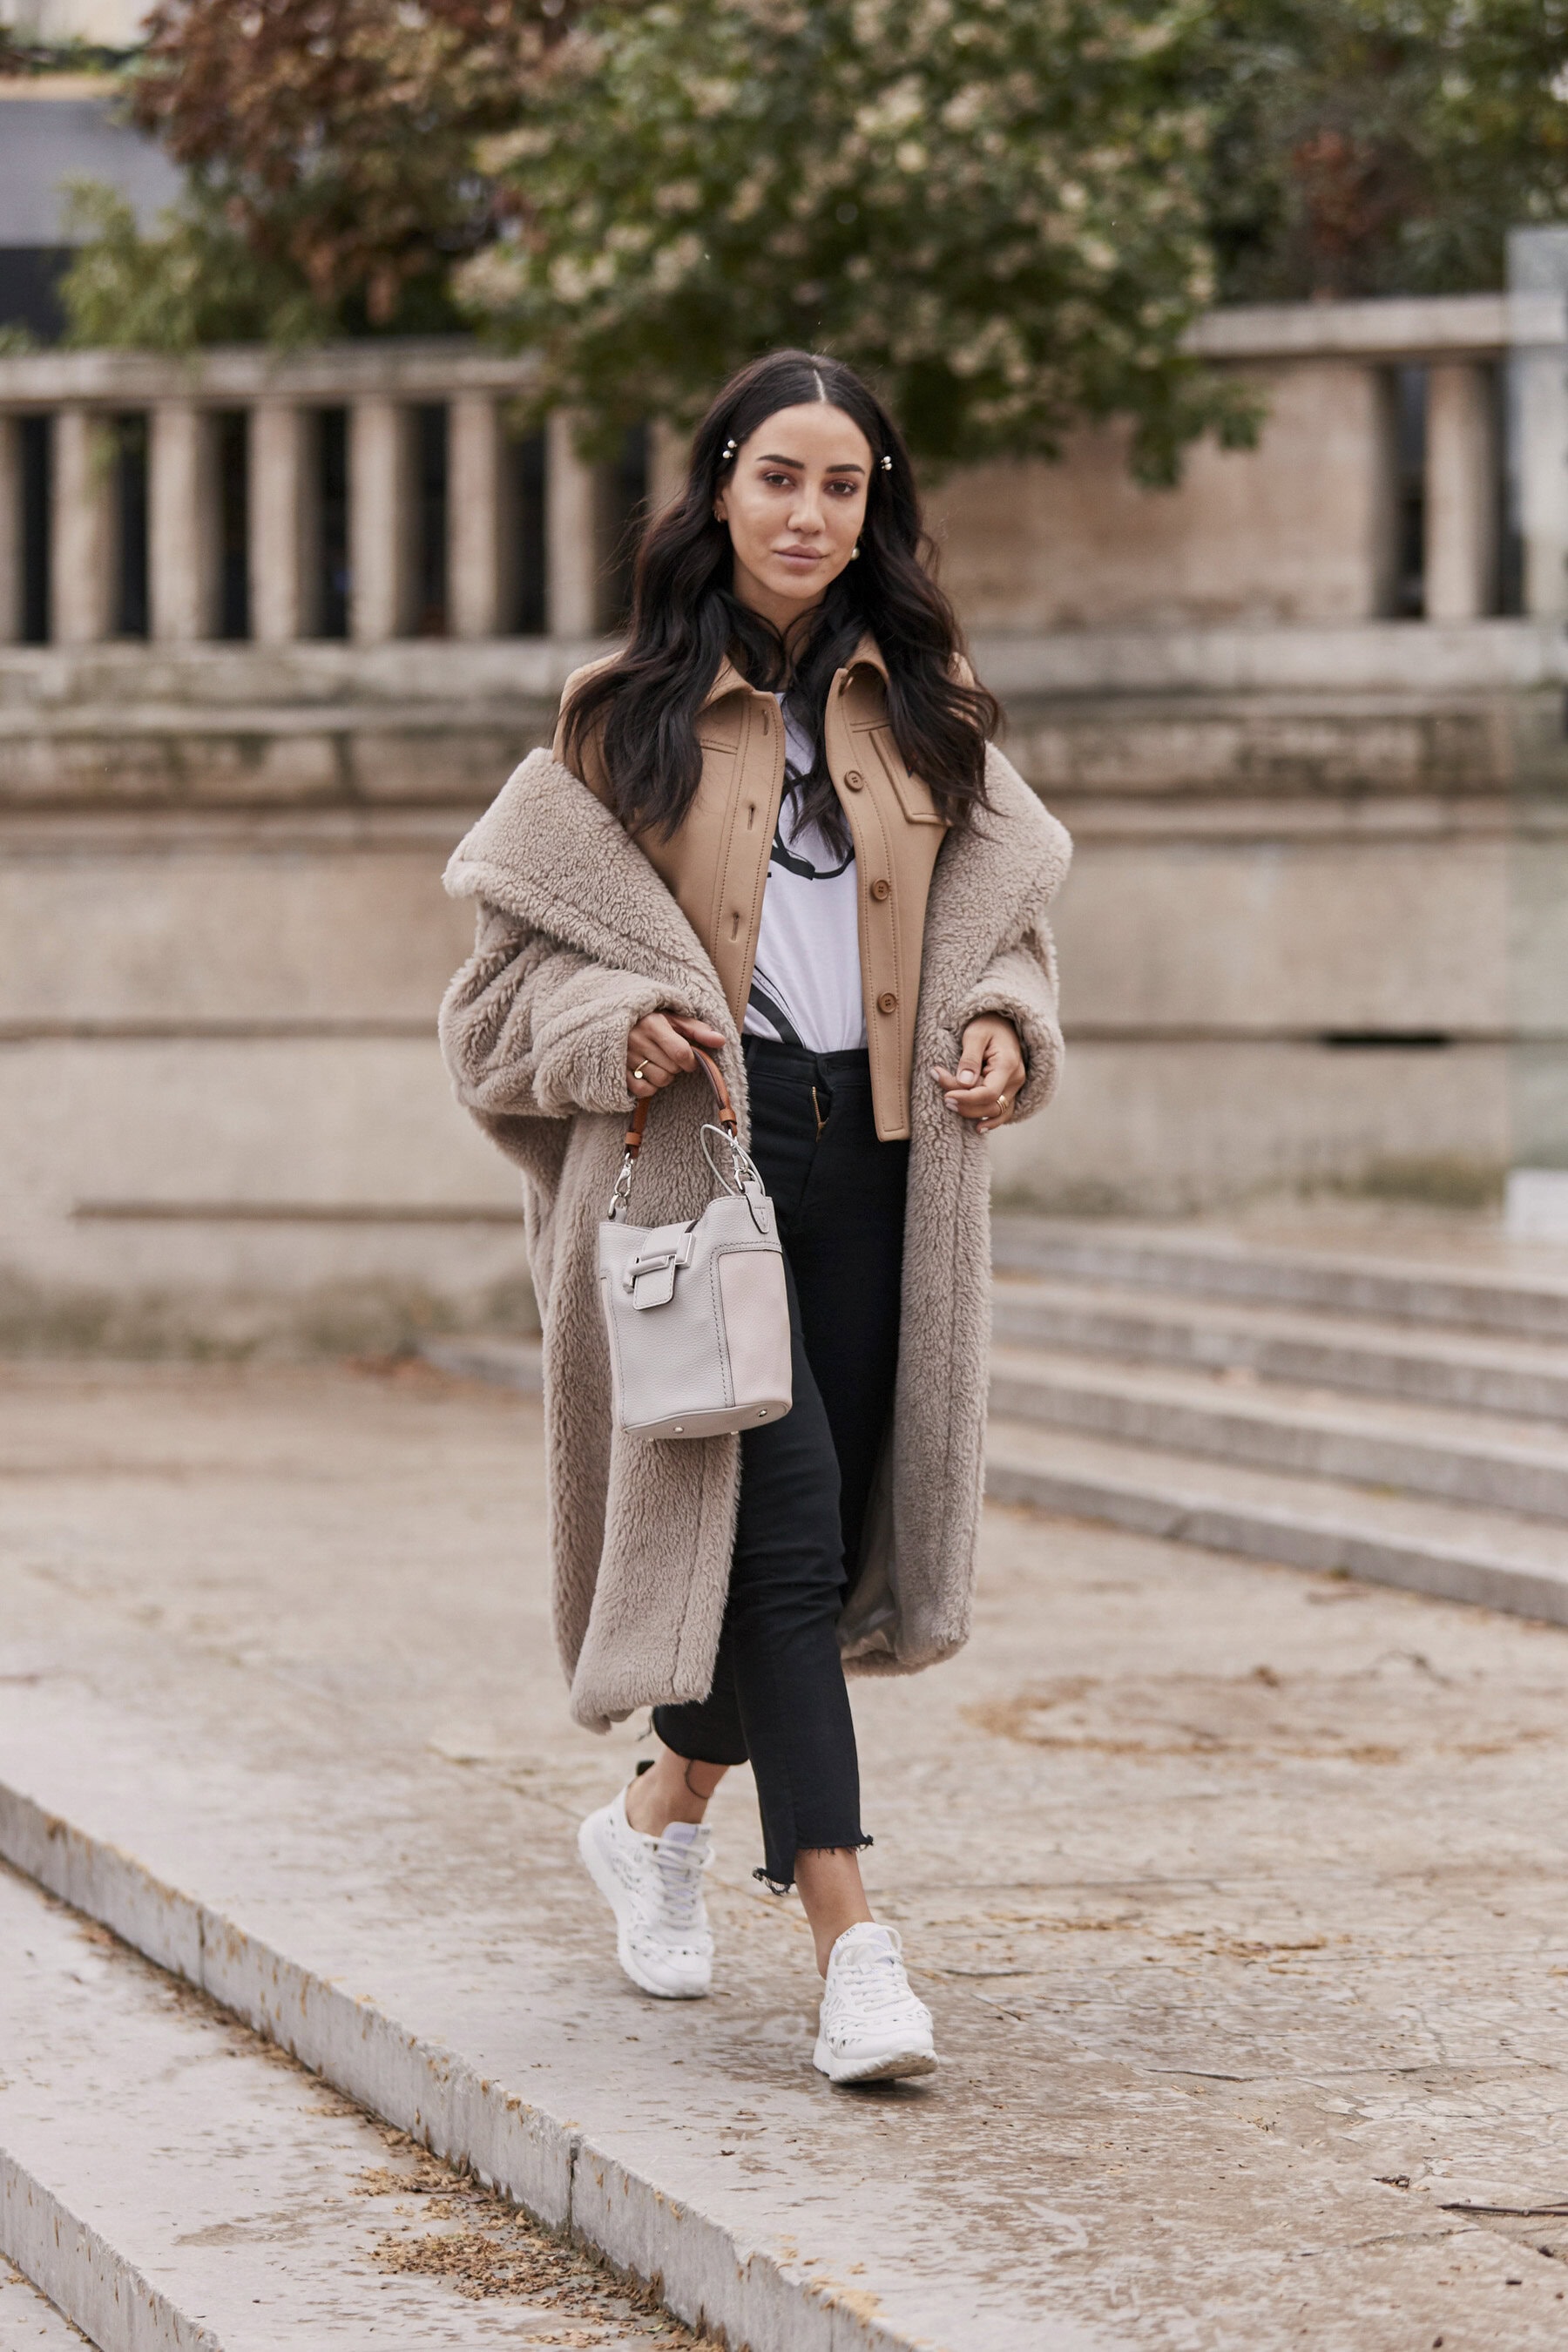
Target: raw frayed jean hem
<point>782,1886</point>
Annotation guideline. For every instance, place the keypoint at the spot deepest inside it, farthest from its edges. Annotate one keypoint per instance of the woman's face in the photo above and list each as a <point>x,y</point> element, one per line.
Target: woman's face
<point>795,503</point>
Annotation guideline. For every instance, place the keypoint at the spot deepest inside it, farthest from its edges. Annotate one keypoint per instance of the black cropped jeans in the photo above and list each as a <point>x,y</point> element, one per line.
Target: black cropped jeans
<point>779,1699</point>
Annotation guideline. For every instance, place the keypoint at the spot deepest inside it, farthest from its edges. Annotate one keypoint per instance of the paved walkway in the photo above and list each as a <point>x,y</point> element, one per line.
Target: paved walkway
<point>1238,1895</point>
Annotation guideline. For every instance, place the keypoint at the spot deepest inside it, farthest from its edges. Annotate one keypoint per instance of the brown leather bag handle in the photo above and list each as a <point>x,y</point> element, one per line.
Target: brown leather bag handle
<point>726,1115</point>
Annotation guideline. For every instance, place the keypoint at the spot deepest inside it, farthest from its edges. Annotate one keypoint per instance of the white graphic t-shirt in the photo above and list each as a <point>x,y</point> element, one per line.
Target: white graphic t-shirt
<point>805,983</point>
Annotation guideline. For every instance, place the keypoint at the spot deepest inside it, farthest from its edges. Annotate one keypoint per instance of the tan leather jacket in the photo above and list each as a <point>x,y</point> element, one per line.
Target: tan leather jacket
<point>716,864</point>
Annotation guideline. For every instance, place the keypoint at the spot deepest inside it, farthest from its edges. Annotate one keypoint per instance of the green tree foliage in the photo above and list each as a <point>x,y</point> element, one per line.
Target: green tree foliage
<point>196,280</point>
<point>328,152</point>
<point>1008,210</point>
<point>1382,146</point>
<point>21,54</point>
<point>995,206</point>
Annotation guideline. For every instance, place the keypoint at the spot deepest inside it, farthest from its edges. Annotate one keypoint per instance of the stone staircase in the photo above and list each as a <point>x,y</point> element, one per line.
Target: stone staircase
<point>170,2182</point>
<point>1360,1413</point>
<point>1369,1415</point>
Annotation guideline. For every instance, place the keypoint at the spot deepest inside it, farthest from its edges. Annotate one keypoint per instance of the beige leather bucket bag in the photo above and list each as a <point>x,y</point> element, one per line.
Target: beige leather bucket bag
<point>697,1315</point>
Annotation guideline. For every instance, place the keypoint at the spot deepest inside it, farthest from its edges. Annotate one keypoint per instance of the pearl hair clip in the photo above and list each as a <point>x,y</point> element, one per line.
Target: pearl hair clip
<point>886,465</point>
<point>729,449</point>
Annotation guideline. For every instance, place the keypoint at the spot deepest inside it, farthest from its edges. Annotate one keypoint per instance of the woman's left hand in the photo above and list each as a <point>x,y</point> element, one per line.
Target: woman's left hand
<point>991,1070</point>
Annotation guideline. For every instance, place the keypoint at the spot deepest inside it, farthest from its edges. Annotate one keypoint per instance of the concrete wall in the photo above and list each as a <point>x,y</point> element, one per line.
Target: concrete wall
<point>1298,529</point>
<point>223,1112</point>
<point>1315,937</point>
<point>1315,941</point>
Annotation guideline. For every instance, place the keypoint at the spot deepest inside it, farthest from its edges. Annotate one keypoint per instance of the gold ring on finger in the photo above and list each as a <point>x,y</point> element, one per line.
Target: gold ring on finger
<point>640,1069</point>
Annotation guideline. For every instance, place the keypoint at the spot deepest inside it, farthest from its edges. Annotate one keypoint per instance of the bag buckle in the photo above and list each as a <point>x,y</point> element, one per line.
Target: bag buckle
<point>650,1276</point>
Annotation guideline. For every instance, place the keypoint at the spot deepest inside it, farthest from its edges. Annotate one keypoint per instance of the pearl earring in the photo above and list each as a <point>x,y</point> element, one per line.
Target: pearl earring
<point>854,552</point>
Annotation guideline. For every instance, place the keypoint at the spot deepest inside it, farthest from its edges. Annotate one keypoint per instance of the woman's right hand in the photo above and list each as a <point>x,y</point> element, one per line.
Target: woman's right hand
<point>659,1048</point>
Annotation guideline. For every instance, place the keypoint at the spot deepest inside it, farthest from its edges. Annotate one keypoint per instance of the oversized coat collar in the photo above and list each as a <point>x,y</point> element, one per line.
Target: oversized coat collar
<point>549,853</point>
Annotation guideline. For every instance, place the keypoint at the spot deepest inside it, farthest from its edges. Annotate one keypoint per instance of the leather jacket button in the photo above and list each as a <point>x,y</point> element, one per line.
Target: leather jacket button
<point>882,888</point>
<point>854,779</point>
<point>887,1001</point>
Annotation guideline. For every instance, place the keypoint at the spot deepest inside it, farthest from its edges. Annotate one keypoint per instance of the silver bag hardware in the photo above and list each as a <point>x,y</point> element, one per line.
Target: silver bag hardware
<point>697,1313</point>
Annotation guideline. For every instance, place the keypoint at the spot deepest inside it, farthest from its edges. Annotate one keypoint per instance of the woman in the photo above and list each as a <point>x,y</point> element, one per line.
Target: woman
<point>771,827</point>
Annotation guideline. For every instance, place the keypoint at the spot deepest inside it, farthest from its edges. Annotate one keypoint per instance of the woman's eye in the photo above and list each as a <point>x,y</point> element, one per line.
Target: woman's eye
<point>778,481</point>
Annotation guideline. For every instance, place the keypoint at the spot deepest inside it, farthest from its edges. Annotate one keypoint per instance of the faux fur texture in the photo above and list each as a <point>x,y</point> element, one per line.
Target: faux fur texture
<point>577,938</point>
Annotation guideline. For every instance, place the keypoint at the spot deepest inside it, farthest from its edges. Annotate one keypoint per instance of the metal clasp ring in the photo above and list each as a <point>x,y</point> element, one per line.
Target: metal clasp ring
<point>743,1170</point>
<point>621,1197</point>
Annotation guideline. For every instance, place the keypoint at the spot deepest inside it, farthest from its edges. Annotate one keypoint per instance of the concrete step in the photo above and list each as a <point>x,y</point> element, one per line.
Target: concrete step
<point>1116,1442</point>
<point>1492,1464</point>
<point>170,2181</point>
<point>1310,1346</point>
<point>1528,1301</point>
<point>1497,1559</point>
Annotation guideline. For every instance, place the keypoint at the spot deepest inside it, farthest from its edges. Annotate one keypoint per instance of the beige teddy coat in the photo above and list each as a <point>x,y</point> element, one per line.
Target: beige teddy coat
<point>577,938</point>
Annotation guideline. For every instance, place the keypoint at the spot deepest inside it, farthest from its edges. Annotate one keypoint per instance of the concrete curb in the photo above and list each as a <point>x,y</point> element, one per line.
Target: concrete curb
<point>98,2290</point>
<point>748,2297</point>
<point>1262,1534</point>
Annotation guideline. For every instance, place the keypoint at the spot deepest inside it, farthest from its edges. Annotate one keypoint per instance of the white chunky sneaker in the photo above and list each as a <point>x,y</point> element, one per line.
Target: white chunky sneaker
<point>873,2028</point>
<point>654,1886</point>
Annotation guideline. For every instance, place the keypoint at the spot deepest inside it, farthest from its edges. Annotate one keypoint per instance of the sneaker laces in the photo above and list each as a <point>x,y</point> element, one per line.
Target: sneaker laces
<point>875,1971</point>
<point>681,1862</point>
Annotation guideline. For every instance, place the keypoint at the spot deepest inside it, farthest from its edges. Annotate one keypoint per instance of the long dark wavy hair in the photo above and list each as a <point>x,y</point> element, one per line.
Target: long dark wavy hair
<point>640,710</point>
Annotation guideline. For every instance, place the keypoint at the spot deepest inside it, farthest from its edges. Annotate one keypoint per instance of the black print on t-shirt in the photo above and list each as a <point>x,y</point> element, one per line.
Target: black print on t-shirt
<point>766,996</point>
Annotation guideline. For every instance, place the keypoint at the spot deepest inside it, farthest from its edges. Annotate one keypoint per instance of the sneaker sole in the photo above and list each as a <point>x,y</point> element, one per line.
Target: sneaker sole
<point>896,2066</point>
<point>609,1887</point>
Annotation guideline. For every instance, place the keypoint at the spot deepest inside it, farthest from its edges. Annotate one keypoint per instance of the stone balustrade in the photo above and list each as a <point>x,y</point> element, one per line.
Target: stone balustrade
<point>380,492</point>
<point>371,491</point>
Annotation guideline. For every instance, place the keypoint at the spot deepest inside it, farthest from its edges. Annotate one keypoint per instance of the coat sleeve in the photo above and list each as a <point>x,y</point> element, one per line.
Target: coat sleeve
<point>532,1029</point>
<point>1020,984</point>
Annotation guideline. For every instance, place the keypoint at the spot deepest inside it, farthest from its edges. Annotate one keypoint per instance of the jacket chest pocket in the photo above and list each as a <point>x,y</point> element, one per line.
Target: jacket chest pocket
<point>914,798</point>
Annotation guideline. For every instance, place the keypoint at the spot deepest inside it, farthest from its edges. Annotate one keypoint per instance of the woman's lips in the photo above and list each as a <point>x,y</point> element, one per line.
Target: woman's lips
<point>801,556</point>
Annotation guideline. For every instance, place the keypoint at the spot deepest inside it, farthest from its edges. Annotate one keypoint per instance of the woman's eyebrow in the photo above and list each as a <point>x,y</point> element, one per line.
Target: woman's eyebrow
<point>772,457</point>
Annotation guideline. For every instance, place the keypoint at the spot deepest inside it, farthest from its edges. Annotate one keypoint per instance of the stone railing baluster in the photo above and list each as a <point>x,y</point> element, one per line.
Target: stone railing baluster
<point>281,530</point>
<point>182,522</point>
<point>571,533</point>
<point>668,448</point>
<point>1461,493</point>
<point>475,472</point>
<point>1538,422</point>
<point>380,518</point>
<point>81,584</point>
